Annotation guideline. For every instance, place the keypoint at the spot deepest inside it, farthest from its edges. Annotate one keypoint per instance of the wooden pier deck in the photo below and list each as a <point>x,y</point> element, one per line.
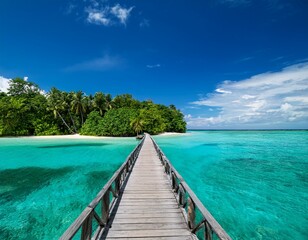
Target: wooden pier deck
<point>146,199</point>
<point>148,208</point>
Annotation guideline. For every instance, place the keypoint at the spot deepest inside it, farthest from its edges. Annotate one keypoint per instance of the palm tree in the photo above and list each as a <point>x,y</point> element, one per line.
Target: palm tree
<point>109,102</point>
<point>56,104</point>
<point>89,102</point>
<point>99,103</point>
<point>137,124</point>
<point>78,104</point>
<point>67,98</point>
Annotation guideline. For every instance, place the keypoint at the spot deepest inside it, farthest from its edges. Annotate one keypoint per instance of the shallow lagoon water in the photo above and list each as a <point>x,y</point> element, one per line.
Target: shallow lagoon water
<point>253,182</point>
<point>46,183</point>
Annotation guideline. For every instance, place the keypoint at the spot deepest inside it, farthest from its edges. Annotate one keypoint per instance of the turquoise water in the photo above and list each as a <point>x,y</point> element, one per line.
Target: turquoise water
<point>45,184</point>
<point>255,183</point>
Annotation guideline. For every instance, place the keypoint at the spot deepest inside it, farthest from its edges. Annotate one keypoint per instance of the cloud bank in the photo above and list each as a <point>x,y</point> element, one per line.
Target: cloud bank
<point>269,100</point>
<point>100,14</point>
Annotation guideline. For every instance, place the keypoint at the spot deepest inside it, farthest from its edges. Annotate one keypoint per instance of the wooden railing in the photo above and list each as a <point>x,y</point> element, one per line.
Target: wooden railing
<point>206,227</point>
<point>100,208</point>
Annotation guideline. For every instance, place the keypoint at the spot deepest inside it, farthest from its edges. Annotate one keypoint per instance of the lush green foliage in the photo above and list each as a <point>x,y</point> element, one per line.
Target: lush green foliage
<point>25,110</point>
<point>93,125</point>
<point>116,122</point>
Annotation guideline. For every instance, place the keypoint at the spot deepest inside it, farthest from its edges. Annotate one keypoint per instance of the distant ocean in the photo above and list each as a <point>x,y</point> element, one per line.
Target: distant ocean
<point>255,183</point>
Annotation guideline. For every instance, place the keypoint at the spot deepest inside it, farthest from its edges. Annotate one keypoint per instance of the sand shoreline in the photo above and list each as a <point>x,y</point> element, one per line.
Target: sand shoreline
<point>172,134</point>
<point>78,136</point>
<point>73,136</point>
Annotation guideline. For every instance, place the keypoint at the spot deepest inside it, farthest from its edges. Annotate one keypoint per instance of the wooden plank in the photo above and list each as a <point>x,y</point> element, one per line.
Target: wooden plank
<point>148,176</point>
<point>146,226</point>
<point>148,209</point>
<point>148,187</point>
<point>148,184</point>
<point>157,238</point>
<point>148,206</point>
<point>149,215</point>
<point>157,202</point>
<point>148,220</point>
<point>152,233</point>
<point>146,190</point>
<point>147,196</point>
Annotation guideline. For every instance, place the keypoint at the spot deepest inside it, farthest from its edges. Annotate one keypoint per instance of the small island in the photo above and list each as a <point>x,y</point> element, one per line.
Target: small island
<point>26,110</point>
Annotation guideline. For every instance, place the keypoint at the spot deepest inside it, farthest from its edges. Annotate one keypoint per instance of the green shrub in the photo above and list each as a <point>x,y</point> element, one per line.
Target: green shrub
<point>117,122</point>
<point>93,125</point>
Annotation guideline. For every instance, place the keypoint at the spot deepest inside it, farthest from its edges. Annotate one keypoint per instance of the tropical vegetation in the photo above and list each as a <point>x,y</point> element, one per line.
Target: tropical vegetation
<point>26,110</point>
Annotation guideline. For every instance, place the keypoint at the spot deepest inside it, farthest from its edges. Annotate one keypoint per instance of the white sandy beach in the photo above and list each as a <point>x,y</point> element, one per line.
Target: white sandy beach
<point>73,136</point>
<point>78,136</point>
<point>172,134</point>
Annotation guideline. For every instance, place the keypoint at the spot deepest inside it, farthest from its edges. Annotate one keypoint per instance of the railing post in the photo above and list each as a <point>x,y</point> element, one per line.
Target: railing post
<point>173,181</point>
<point>191,214</point>
<point>87,228</point>
<point>165,165</point>
<point>207,231</point>
<point>105,206</point>
<point>129,163</point>
<point>181,195</point>
<point>117,185</point>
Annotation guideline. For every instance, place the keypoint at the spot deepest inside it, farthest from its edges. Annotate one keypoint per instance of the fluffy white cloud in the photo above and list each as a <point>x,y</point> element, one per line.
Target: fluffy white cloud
<point>121,13</point>
<point>105,15</point>
<point>98,18</point>
<point>269,100</point>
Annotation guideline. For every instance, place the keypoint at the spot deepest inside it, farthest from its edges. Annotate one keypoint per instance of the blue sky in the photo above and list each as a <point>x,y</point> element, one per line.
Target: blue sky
<point>224,63</point>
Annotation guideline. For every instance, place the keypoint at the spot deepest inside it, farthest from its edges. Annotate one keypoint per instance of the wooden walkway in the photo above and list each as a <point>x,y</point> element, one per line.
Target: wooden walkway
<point>145,199</point>
<point>148,208</point>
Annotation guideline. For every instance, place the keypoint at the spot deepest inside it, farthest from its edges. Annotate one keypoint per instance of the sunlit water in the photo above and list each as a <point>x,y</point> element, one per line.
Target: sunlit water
<point>254,182</point>
<point>45,184</point>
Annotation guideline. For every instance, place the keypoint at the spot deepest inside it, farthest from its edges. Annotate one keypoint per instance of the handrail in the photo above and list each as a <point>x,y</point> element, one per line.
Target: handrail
<point>191,202</point>
<point>113,186</point>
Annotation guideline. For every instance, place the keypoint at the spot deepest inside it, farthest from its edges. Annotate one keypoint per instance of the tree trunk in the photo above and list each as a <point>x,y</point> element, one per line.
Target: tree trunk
<point>65,122</point>
<point>81,118</point>
<point>69,112</point>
